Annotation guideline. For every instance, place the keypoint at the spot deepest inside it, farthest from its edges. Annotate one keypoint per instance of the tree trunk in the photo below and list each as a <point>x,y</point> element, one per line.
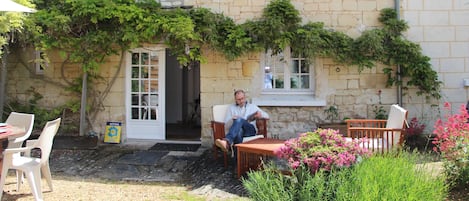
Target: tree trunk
<point>83,104</point>
<point>3,81</point>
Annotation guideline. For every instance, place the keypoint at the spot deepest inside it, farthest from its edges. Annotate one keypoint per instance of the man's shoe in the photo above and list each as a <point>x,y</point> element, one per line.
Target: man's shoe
<point>222,144</point>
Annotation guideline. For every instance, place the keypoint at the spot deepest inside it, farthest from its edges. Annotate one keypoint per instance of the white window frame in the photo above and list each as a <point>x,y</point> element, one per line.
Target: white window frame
<point>285,60</point>
<point>40,62</point>
<point>287,96</point>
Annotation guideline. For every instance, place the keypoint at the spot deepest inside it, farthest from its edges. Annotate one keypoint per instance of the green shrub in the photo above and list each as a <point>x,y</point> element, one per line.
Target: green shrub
<point>269,184</point>
<point>381,177</point>
<point>392,177</point>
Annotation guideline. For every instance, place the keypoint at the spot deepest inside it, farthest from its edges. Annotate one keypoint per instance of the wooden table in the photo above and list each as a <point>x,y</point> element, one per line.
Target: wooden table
<point>253,151</point>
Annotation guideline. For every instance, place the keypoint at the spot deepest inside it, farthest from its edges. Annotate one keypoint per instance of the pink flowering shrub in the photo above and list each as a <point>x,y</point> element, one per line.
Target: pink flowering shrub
<point>321,149</point>
<point>452,139</point>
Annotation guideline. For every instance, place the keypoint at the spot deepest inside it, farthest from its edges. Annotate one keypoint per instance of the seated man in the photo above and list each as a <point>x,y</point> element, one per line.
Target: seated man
<point>242,118</point>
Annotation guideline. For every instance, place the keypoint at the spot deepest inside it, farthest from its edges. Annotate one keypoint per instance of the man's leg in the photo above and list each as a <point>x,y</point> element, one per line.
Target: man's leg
<point>249,129</point>
<point>234,135</point>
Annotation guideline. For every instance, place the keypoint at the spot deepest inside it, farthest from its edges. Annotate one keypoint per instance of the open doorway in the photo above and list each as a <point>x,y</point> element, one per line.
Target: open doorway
<point>182,100</point>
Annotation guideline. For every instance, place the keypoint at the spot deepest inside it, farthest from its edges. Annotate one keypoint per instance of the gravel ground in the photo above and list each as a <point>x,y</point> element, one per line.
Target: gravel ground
<point>101,175</point>
<point>208,177</point>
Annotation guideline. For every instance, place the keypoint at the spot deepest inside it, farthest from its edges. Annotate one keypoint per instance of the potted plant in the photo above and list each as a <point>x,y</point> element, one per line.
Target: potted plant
<point>332,115</point>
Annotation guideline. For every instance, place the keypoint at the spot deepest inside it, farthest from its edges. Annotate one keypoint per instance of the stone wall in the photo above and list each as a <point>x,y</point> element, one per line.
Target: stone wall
<point>441,28</point>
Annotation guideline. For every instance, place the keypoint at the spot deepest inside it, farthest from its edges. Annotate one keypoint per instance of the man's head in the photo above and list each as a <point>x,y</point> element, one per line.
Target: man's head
<point>240,97</point>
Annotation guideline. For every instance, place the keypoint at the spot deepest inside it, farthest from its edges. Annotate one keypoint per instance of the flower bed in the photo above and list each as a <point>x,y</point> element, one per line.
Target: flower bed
<point>321,149</point>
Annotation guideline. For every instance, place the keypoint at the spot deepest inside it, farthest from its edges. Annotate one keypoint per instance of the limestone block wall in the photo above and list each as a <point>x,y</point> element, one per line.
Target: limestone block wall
<point>441,28</point>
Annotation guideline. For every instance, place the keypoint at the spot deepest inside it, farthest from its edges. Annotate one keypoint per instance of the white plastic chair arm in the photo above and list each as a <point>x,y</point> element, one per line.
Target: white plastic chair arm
<point>9,152</point>
<point>31,143</point>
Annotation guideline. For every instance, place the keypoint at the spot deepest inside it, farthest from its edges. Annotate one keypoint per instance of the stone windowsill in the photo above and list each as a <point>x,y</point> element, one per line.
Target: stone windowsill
<point>288,100</point>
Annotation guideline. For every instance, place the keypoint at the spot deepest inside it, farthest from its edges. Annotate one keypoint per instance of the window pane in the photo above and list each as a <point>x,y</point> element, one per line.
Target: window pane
<point>135,72</point>
<point>144,72</point>
<point>295,82</point>
<point>294,67</point>
<point>135,99</point>
<point>154,58</point>
<point>154,78</point>
<point>135,113</point>
<point>135,86</point>
<point>304,66</point>
<point>305,81</point>
<point>145,58</point>
<point>278,82</point>
<point>268,78</point>
<point>135,58</point>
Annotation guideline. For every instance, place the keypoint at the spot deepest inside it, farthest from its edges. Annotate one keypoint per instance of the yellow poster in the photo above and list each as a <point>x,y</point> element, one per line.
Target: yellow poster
<point>113,132</point>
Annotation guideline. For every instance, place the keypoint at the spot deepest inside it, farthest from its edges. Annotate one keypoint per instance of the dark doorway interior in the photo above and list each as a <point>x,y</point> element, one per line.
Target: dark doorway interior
<point>183,132</point>
<point>182,100</point>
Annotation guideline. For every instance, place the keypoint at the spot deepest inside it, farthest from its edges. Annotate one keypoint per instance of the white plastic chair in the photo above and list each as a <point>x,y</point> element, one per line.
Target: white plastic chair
<point>32,166</point>
<point>151,105</point>
<point>23,121</point>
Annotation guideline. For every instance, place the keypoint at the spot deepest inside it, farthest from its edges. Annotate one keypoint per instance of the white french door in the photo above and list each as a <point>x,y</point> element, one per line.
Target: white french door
<point>145,105</point>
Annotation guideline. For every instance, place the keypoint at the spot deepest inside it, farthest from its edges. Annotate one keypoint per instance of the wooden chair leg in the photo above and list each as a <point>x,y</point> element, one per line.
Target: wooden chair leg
<point>225,158</point>
<point>215,152</point>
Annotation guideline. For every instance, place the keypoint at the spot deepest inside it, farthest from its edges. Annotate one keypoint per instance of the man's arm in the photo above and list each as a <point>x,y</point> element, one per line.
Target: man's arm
<point>252,116</point>
<point>256,112</point>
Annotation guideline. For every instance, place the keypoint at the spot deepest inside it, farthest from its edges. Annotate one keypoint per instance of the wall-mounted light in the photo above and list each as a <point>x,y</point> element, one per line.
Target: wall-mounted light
<point>466,82</point>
